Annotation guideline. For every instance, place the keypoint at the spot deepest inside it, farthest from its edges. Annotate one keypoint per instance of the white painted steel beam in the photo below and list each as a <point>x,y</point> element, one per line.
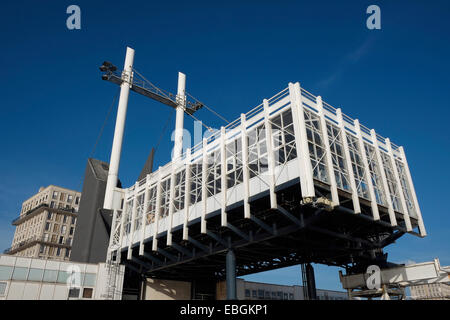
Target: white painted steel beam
<point>373,200</point>
<point>351,176</point>
<point>223,177</point>
<point>187,194</point>
<point>422,230</point>
<point>179,125</point>
<point>144,215</point>
<point>387,193</point>
<point>171,201</point>
<point>245,169</point>
<point>114,161</point>
<point>270,155</point>
<point>133,218</point>
<point>157,211</point>
<point>329,159</point>
<point>204,186</point>
<point>399,186</point>
<point>301,142</point>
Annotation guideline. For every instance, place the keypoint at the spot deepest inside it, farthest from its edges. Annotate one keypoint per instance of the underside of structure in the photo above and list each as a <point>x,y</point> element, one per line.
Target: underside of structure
<point>293,233</point>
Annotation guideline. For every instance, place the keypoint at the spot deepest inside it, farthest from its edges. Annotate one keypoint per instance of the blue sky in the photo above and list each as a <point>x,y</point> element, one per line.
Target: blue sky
<point>234,54</point>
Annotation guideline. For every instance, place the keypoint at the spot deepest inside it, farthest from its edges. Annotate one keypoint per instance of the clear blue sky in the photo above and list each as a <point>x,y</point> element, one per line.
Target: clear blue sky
<point>53,101</point>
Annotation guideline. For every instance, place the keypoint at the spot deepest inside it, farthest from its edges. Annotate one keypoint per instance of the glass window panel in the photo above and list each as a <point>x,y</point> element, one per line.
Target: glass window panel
<point>89,279</point>
<point>63,276</point>
<point>35,274</point>
<point>20,273</point>
<point>50,275</point>
<point>5,272</point>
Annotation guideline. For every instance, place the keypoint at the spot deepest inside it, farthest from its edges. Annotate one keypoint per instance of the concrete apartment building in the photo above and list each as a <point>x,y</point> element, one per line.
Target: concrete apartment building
<point>431,291</point>
<point>46,224</point>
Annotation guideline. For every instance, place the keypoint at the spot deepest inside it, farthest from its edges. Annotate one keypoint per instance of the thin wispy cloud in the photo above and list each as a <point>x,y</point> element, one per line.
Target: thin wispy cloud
<point>348,60</point>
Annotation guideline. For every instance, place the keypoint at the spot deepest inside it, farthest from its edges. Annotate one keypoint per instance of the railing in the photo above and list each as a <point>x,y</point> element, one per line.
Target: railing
<point>31,240</point>
<point>43,205</point>
<point>260,108</point>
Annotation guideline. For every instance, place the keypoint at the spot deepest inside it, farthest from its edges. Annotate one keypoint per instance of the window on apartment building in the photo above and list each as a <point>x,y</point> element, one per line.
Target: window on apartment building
<point>55,195</point>
<point>3,288</point>
<point>285,296</point>
<point>64,219</point>
<point>54,238</point>
<point>47,226</point>
<point>247,293</point>
<point>41,248</point>
<point>254,294</point>
<point>55,227</point>
<point>77,200</point>
<point>51,251</point>
<point>67,255</point>
<point>274,295</point>
<point>58,218</point>
<point>61,241</point>
<point>89,279</point>
<point>69,241</point>
<point>63,229</point>
<point>291,296</point>
<point>62,197</point>
<point>20,273</point>
<point>5,272</point>
<point>69,198</point>
<point>71,230</point>
<point>74,293</point>
<point>35,274</point>
<point>74,220</point>
<point>87,293</point>
<point>49,216</point>
<point>261,294</point>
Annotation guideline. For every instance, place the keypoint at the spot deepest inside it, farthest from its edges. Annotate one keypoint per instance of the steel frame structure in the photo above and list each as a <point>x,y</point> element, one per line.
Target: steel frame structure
<point>292,181</point>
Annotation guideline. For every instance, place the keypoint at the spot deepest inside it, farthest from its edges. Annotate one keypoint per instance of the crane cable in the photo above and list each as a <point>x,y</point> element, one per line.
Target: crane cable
<point>184,108</point>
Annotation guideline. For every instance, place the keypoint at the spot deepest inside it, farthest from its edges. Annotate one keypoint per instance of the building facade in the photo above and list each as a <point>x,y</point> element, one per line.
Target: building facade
<point>39,279</point>
<point>46,224</point>
<point>431,291</point>
<point>249,290</point>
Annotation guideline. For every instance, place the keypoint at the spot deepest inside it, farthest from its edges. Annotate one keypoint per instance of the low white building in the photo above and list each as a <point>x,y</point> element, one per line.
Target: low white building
<point>38,279</point>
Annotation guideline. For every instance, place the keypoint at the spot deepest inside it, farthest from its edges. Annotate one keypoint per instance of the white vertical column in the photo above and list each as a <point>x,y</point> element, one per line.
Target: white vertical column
<point>144,214</point>
<point>187,194</point>
<point>204,188</point>
<point>329,159</point>
<point>270,154</point>
<point>122,225</point>
<point>348,162</point>
<point>383,178</point>
<point>223,177</point>
<point>179,125</point>
<point>245,171</point>
<point>422,230</point>
<point>171,201</point>
<point>373,200</point>
<point>399,186</point>
<point>133,219</point>
<point>157,211</point>
<point>114,161</point>
<point>301,142</point>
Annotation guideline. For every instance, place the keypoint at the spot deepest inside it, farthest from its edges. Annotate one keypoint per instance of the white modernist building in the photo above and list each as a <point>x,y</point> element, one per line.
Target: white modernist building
<point>308,140</point>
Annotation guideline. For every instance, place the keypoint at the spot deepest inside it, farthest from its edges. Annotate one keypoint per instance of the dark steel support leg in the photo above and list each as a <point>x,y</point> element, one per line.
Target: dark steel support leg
<point>231,275</point>
<point>311,281</point>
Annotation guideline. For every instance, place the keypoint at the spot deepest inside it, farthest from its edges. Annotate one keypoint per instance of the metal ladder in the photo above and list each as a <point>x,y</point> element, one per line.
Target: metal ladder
<point>113,267</point>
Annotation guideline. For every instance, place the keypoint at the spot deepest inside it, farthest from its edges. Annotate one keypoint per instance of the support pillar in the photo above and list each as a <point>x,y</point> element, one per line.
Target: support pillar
<point>114,161</point>
<point>231,275</point>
